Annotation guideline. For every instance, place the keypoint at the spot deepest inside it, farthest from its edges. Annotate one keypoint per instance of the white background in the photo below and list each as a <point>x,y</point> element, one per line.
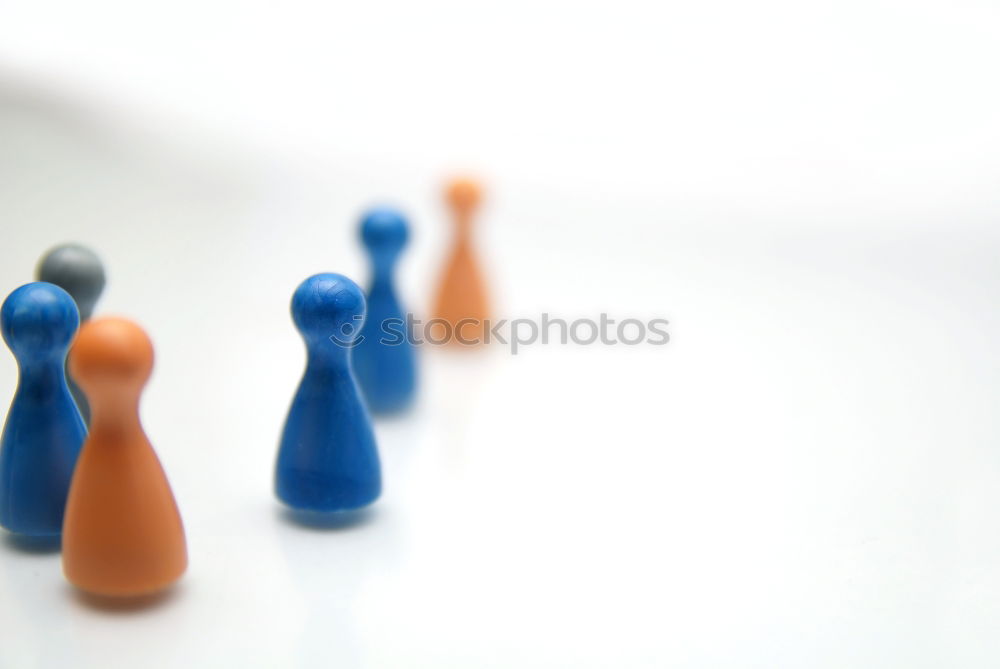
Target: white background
<point>806,476</point>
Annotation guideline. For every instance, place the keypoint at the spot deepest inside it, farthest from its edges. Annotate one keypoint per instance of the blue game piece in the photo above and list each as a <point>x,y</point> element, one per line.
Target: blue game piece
<point>328,460</point>
<point>44,431</point>
<point>384,358</point>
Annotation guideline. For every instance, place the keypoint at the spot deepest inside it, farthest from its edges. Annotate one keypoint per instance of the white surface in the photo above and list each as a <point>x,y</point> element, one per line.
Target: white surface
<point>806,476</point>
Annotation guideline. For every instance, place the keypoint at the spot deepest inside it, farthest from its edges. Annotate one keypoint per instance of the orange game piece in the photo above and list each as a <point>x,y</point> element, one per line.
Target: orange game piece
<point>461,300</point>
<point>122,535</point>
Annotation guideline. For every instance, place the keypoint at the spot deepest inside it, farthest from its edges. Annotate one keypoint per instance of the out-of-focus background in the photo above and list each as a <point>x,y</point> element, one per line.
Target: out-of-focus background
<point>806,475</point>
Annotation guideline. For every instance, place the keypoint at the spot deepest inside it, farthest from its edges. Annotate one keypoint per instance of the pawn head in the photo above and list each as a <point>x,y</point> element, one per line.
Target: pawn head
<point>384,231</point>
<point>463,195</point>
<point>329,308</point>
<point>109,356</point>
<point>38,321</point>
<point>78,271</point>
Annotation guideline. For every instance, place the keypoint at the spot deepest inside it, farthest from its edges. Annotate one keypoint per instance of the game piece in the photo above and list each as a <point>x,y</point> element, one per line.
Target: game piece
<point>77,270</point>
<point>123,535</point>
<point>384,356</point>
<point>461,300</point>
<point>43,431</point>
<point>328,460</point>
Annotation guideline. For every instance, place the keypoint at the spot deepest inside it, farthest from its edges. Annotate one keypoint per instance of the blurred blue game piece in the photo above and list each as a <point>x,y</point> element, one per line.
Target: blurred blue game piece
<point>328,460</point>
<point>77,270</point>
<point>384,358</point>
<point>44,431</point>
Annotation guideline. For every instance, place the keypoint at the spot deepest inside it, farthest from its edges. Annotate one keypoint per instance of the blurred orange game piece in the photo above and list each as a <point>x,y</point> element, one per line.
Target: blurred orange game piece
<point>122,535</point>
<point>461,299</point>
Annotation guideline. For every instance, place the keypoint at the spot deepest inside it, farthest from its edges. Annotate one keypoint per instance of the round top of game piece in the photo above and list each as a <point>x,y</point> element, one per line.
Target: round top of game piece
<point>76,269</point>
<point>38,321</point>
<point>384,229</point>
<point>328,307</point>
<point>463,195</point>
<point>111,352</point>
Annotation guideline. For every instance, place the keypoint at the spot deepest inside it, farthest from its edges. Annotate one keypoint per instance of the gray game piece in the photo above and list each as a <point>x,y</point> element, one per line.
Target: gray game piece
<point>77,270</point>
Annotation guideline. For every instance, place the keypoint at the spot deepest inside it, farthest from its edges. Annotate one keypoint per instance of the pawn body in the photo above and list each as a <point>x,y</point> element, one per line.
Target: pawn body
<point>43,431</point>
<point>462,300</point>
<point>384,359</point>
<point>77,270</point>
<point>123,534</point>
<point>328,460</point>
